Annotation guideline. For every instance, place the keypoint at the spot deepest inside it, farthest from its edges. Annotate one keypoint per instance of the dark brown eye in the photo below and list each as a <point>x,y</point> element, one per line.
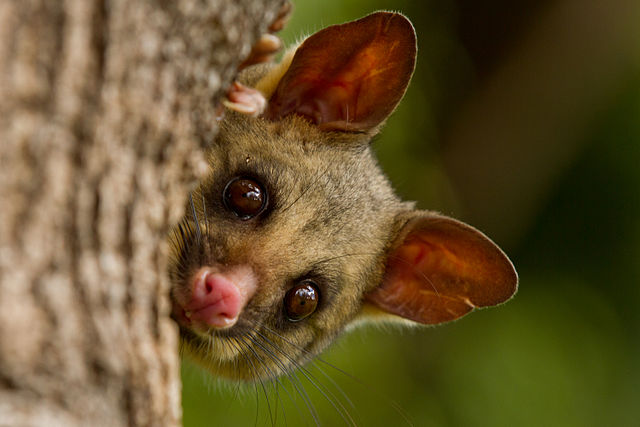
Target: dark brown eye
<point>245,197</point>
<point>301,301</point>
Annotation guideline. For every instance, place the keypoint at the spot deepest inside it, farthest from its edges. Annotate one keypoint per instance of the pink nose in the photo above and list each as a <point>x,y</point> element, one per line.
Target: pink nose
<point>216,301</point>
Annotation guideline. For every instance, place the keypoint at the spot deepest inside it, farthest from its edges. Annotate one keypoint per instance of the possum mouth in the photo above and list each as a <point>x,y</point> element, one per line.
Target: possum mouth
<point>180,315</point>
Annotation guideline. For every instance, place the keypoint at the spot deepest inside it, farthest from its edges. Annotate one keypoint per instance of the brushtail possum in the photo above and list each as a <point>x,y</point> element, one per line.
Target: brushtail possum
<point>297,234</point>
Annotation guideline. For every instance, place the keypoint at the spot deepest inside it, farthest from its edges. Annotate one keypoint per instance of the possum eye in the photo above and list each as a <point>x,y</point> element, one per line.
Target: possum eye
<point>302,300</point>
<point>245,197</point>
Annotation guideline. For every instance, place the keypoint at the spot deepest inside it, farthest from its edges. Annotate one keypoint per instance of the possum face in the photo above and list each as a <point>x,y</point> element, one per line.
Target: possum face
<point>296,232</point>
<point>282,246</point>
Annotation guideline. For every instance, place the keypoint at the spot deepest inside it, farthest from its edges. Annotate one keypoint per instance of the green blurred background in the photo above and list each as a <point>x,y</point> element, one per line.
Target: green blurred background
<point>523,119</point>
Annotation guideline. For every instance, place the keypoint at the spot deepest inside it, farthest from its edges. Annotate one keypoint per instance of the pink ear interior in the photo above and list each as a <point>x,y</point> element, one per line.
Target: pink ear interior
<point>349,77</point>
<point>441,270</point>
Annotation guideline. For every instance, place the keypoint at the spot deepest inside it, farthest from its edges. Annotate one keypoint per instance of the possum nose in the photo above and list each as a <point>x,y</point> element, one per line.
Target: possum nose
<point>217,299</point>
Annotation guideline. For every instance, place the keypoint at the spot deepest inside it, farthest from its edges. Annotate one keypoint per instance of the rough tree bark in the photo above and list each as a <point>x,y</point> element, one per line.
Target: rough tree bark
<point>105,107</point>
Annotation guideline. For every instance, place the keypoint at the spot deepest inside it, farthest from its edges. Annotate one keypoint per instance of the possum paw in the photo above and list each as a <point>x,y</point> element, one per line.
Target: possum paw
<point>269,44</point>
<point>262,51</point>
<point>245,100</point>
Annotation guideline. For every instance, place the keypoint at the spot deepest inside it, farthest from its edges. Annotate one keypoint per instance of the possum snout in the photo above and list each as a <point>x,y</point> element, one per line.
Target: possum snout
<point>216,298</point>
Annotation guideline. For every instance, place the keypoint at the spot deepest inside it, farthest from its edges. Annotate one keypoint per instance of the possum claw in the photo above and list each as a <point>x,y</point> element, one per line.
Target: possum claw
<point>262,51</point>
<point>269,44</point>
<point>245,100</point>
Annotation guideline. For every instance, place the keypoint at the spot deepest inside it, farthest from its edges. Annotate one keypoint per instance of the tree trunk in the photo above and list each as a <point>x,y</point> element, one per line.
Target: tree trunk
<point>105,108</point>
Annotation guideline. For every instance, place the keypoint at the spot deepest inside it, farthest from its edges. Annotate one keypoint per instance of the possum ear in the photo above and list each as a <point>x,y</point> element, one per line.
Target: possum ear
<point>348,77</point>
<point>439,269</point>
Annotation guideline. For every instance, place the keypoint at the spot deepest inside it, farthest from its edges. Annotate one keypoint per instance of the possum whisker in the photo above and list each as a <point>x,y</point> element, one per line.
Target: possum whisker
<point>273,375</point>
<point>182,239</point>
<point>275,358</point>
<point>276,381</point>
<point>242,354</point>
<point>240,346</point>
<point>195,218</point>
<point>328,395</point>
<point>424,276</point>
<point>183,234</point>
<point>332,258</point>
<point>309,187</point>
<point>208,240</point>
<point>204,214</point>
<point>257,375</point>
<point>304,371</point>
<point>295,381</point>
<point>314,381</point>
<point>335,384</point>
<point>188,227</point>
<point>396,407</point>
<point>291,377</point>
<point>266,368</point>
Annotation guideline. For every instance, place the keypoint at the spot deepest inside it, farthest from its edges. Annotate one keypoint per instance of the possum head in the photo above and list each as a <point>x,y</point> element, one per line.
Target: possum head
<point>296,233</point>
